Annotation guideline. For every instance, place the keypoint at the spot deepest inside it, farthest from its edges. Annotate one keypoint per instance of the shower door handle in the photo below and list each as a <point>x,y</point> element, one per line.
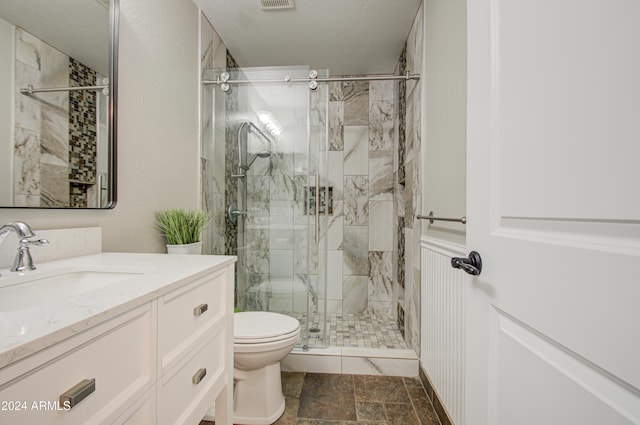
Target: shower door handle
<point>317,208</point>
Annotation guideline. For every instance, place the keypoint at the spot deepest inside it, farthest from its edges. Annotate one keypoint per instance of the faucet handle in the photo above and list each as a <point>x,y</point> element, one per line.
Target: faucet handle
<point>23,260</point>
<point>40,242</point>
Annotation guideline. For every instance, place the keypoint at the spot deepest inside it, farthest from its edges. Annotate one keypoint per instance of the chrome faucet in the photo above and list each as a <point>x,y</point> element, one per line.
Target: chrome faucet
<point>23,260</point>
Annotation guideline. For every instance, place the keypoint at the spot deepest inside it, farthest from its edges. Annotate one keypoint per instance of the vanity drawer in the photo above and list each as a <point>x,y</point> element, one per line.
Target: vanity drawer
<point>181,393</point>
<point>187,316</point>
<point>119,359</point>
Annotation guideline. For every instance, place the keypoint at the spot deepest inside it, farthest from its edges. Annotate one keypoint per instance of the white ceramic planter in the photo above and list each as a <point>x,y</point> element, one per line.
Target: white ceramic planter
<point>190,248</point>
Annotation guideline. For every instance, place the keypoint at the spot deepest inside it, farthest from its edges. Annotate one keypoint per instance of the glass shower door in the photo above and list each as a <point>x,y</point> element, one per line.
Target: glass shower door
<point>278,134</point>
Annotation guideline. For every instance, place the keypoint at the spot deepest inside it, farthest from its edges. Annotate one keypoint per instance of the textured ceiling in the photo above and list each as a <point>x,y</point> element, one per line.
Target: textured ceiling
<point>344,36</point>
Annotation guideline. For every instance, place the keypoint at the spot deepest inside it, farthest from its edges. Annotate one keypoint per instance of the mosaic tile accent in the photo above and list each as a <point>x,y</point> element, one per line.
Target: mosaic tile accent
<point>409,191</point>
<point>362,330</point>
<point>231,159</point>
<point>402,114</point>
<point>401,249</point>
<point>82,124</point>
<point>412,104</point>
<point>82,133</point>
<point>400,319</point>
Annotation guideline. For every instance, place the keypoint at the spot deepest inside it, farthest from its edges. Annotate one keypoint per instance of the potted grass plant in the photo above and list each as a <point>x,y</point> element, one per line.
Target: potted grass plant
<point>182,229</point>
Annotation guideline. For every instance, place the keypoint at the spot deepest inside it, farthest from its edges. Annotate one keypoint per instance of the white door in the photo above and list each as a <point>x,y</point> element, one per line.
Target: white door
<point>554,210</point>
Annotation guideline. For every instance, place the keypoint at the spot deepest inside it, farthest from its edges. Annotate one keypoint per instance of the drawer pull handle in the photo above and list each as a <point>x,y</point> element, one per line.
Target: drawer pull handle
<point>200,309</point>
<point>199,376</point>
<point>78,393</point>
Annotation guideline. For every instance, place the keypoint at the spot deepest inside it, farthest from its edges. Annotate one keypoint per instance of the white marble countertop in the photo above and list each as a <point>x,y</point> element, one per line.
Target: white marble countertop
<point>24,331</point>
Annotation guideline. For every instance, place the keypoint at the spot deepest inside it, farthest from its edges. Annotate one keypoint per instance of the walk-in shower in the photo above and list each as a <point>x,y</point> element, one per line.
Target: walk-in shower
<point>310,211</point>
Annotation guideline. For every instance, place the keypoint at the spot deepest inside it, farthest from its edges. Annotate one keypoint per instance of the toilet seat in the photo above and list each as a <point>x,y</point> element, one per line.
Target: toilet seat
<point>259,327</point>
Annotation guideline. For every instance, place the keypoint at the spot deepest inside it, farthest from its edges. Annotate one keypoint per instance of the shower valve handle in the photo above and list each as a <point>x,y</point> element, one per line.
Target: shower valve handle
<point>233,212</point>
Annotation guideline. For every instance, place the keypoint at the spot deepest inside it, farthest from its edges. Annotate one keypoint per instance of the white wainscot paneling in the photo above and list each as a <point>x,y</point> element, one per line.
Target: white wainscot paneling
<point>443,316</point>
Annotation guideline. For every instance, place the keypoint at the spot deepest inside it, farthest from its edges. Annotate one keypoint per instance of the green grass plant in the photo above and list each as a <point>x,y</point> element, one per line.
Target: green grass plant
<point>180,226</point>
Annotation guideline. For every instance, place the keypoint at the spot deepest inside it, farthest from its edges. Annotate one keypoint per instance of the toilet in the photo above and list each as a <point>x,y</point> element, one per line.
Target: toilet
<point>261,340</point>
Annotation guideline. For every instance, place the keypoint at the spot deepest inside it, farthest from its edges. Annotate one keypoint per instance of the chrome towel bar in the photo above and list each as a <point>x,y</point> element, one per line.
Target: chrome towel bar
<point>431,218</point>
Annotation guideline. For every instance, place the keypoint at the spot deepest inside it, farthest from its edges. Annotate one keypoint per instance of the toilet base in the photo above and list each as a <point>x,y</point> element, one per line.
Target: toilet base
<point>257,396</point>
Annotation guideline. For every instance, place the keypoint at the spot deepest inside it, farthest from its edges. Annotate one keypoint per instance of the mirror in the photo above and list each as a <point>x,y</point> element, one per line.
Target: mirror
<point>58,88</point>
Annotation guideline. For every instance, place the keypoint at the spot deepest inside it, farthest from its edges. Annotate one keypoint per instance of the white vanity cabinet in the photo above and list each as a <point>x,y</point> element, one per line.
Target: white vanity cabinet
<point>193,347</point>
<point>164,360</point>
<point>117,356</point>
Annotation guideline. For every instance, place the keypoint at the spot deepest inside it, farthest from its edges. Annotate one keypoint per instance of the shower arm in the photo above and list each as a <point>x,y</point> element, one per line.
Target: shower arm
<point>253,128</point>
<point>260,132</point>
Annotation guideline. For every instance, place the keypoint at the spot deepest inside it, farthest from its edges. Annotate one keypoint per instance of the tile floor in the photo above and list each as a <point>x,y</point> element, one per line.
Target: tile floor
<point>330,399</point>
<point>354,330</point>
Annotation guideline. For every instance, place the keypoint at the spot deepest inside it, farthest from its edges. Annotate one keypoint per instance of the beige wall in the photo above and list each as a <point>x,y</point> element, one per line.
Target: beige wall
<point>445,119</point>
<point>158,147</point>
<point>7,64</point>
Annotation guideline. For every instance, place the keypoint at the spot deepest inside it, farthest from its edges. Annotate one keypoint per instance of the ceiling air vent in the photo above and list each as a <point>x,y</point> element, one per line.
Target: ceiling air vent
<point>276,4</point>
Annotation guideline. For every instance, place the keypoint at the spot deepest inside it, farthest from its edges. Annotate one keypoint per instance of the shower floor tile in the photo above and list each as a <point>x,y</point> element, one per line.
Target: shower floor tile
<point>354,330</point>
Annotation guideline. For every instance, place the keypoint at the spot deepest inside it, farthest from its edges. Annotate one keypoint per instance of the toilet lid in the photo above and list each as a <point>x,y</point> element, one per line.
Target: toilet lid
<point>259,325</point>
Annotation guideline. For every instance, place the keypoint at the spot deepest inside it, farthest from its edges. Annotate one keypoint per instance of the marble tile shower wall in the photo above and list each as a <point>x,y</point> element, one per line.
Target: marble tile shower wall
<point>360,231</point>
<point>213,55</point>
<point>374,166</point>
<point>407,189</point>
<point>55,133</point>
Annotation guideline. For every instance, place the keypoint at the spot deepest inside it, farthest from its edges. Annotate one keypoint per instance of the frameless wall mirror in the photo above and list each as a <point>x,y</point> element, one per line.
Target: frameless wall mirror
<point>58,88</point>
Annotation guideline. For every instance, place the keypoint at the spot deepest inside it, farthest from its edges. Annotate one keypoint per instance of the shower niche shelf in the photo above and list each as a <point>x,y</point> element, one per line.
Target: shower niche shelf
<point>326,200</point>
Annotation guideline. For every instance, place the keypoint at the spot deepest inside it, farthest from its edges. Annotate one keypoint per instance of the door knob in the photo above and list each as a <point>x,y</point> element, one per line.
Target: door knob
<point>471,265</point>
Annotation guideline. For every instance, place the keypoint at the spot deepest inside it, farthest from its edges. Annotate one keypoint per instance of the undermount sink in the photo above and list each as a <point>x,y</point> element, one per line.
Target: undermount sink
<point>34,289</point>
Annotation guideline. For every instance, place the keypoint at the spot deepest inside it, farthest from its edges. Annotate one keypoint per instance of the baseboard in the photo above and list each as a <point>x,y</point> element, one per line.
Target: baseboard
<point>435,399</point>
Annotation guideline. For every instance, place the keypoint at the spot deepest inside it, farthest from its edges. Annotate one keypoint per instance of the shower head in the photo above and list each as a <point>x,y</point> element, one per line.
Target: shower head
<point>256,156</point>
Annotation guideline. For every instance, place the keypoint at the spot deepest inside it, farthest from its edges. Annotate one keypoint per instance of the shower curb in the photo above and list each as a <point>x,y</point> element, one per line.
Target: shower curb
<point>353,361</point>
